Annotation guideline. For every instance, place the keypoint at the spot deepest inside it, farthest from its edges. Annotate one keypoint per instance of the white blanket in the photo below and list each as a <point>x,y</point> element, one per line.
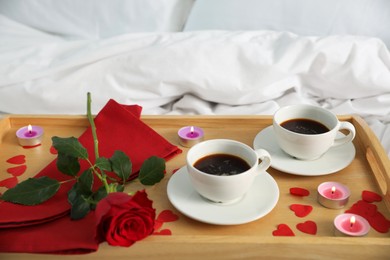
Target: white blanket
<point>204,72</point>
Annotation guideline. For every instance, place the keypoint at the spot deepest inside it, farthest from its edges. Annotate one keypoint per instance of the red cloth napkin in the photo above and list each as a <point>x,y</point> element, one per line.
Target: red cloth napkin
<point>42,228</point>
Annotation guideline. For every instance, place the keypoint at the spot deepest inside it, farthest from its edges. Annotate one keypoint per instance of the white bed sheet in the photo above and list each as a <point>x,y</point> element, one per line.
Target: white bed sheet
<point>203,72</point>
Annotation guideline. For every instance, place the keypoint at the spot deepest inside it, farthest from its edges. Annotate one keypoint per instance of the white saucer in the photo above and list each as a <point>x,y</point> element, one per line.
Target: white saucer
<point>258,202</point>
<point>337,158</point>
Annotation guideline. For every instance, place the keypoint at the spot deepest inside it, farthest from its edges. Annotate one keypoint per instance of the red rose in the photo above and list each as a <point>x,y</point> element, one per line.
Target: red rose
<point>122,219</point>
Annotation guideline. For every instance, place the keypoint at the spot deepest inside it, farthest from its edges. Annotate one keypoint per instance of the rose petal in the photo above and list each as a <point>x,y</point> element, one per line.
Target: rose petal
<point>296,191</point>
<point>18,159</point>
<point>121,219</point>
<point>283,230</point>
<point>141,198</point>
<point>371,196</point>
<point>308,227</point>
<point>17,171</point>
<point>301,210</point>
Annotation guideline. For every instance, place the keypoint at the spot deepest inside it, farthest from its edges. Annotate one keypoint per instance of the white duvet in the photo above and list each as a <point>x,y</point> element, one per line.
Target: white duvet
<point>204,72</point>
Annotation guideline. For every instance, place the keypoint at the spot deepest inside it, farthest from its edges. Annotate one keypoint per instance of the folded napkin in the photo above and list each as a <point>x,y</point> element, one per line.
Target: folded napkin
<point>118,128</point>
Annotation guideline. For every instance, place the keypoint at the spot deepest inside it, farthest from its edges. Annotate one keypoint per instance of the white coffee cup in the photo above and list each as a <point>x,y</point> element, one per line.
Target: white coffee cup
<point>231,188</point>
<point>310,146</point>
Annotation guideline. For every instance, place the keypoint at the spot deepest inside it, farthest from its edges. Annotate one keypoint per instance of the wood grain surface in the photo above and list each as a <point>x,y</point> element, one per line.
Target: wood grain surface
<point>190,239</point>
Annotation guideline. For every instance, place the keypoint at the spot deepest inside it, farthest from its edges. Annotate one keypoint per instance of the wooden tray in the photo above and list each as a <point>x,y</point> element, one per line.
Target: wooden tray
<point>190,239</point>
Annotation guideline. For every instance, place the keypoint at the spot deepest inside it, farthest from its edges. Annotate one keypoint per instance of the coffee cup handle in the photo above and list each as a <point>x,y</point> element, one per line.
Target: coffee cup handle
<point>265,158</point>
<point>349,137</point>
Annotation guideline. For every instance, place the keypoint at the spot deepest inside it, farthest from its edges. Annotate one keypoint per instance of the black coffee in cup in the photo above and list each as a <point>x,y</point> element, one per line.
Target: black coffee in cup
<point>222,164</point>
<point>305,126</point>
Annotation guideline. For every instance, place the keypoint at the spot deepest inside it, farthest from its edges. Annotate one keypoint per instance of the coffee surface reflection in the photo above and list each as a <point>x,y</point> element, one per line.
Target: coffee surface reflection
<point>305,126</point>
<point>222,164</point>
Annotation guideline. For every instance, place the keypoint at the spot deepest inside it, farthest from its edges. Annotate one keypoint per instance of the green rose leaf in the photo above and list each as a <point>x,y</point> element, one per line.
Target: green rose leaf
<point>120,188</point>
<point>121,165</point>
<point>80,206</point>
<point>100,194</point>
<point>115,187</point>
<point>86,181</point>
<point>68,165</point>
<point>32,191</point>
<point>80,194</point>
<point>152,170</point>
<point>69,146</point>
<point>103,164</point>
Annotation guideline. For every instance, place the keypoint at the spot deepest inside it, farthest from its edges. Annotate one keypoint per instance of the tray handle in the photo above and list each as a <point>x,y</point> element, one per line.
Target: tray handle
<point>381,178</point>
<point>376,157</point>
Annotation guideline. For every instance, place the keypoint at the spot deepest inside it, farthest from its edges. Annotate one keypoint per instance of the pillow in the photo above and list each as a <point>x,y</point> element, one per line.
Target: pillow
<point>98,18</point>
<point>302,17</point>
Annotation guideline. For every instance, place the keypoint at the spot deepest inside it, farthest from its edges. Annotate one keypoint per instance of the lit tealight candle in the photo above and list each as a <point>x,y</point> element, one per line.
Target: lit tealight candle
<point>351,225</point>
<point>333,195</point>
<point>29,135</point>
<point>190,135</point>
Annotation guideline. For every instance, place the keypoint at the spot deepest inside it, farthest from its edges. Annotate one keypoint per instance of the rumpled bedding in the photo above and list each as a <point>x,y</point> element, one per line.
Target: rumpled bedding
<point>200,72</point>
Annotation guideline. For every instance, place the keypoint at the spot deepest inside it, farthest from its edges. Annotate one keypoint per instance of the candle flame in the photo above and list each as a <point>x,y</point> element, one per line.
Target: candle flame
<point>29,128</point>
<point>352,220</point>
<point>333,189</point>
<point>192,129</point>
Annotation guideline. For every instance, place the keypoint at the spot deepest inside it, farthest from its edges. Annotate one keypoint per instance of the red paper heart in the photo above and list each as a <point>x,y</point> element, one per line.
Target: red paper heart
<point>17,171</point>
<point>164,216</point>
<point>363,209</point>
<point>301,210</point>
<point>18,159</point>
<point>9,182</point>
<point>371,196</point>
<point>308,227</point>
<point>283,230</point>
<point>296,191</point>
<point>157,224</point>
<point>167,216</point>
<point>370,212</point>
<point>380,223</point>
<point>163,232</point>
<point>53,150</point>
